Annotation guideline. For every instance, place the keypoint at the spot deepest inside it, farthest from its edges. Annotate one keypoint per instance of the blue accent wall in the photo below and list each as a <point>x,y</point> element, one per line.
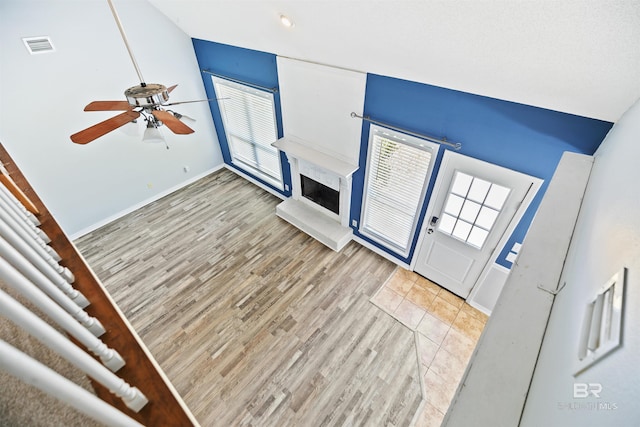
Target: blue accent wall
<point>527,139</point>
<point>251,66</point>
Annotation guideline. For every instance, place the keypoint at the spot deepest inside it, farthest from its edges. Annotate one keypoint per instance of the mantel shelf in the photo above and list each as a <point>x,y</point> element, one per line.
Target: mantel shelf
<point>295,147</point>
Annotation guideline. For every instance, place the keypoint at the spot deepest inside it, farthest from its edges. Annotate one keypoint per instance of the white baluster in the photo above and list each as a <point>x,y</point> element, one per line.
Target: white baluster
<point>38,328</point>
<point>34,253</point>
<point>31,217</point>
<point>38,280</point>
<point>33,239</point>
<point>28,226</point>
<point>11,276</point>
<point>32,372</point>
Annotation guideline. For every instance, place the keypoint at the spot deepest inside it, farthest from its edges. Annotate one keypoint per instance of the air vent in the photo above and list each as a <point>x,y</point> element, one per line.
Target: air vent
<point>602,325</point>
<point>36,45</point>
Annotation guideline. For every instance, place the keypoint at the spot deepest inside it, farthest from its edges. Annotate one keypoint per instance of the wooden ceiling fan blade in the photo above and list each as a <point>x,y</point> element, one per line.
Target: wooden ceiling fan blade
<point>170,88</point>
<point>108,106</point>
<point>175,125</point>
<point>102,128</point>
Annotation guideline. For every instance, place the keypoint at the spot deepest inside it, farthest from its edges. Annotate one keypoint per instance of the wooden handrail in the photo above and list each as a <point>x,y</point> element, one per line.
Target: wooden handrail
<point>165,406</point>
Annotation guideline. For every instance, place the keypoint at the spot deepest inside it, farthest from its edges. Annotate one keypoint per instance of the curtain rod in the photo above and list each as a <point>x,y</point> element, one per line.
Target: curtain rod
<point>268,89</point>
<point>455,145</point>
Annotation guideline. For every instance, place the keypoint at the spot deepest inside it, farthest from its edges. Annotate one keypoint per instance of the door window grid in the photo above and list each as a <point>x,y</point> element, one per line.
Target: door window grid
<point>471,209</point>
<point>249,120</point>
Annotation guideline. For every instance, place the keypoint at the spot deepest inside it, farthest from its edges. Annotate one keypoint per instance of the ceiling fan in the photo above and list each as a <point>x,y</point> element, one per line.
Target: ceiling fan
<point>146,99</point>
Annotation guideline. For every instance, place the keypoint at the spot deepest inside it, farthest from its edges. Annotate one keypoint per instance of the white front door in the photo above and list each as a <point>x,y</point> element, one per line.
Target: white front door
<point>473,204</point>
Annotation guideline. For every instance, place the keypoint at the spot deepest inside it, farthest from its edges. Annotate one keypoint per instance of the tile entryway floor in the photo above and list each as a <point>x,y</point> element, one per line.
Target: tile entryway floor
<point>447,331</point>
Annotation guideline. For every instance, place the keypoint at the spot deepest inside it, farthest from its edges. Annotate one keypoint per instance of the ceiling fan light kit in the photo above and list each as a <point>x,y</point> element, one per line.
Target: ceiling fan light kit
<point>152,134</point>
<point>146,100</point>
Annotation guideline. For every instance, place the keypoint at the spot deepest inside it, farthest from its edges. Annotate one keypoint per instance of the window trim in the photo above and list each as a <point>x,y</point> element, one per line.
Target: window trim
<point>276,182</point>
<point>414,142</point>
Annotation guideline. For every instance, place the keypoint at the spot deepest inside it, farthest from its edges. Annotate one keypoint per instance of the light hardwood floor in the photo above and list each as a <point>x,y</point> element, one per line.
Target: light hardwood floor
<point>254,322</point>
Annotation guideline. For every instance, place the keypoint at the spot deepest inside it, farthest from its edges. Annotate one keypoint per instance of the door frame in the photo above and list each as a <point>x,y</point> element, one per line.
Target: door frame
<point>513,222</point>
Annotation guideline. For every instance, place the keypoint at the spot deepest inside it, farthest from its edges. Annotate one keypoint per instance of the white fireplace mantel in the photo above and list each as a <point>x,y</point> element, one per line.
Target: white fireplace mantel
<point>297,148</point>
<point>326,227</point>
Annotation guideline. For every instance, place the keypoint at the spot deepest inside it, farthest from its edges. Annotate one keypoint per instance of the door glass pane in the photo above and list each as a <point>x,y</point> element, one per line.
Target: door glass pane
<point>487,217</point>
<point>447,222</point>
<point>461,230</point>
<point>477,237</point>
<point>472,208</point>
<point>461,183</point>
<point>470,211</point>
<point>497,196</point>
<point>454,204</point>
<point>479,190</point>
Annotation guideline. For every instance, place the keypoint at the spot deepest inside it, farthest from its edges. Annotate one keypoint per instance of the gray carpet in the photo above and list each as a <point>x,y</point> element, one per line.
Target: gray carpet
<point>24,405</point>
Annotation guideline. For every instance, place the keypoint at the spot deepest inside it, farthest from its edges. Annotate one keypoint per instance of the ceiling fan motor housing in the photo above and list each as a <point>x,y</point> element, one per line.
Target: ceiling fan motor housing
<point>147,96</point>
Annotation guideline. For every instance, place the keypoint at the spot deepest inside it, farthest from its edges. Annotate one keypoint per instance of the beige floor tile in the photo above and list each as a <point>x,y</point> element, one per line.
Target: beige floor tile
<point>452,299</point>
<point>474,312</point>
<point>399,284</point>
<point>420,296</point>
<point>443,310</point>
<point>427,284</point>
<point>387,300</point>
<point>427,350</point>
<point>406,275</point>
<point>433,328</point>
<point>458,345</point>
<point>430,416</point>
<point>409,314</point>
<point>468,325</point>
<point>437,391</point>
<point>448,367</point>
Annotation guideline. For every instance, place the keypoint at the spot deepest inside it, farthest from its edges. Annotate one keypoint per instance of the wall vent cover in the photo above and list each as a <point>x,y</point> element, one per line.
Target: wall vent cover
<point>602,325</point>
<point>36,45</point>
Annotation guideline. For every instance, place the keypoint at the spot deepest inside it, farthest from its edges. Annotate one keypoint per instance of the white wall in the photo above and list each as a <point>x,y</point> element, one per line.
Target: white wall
<point>42,98</point>
<point>317,102</point>
<point>579,57</point>
<point>607,238</point>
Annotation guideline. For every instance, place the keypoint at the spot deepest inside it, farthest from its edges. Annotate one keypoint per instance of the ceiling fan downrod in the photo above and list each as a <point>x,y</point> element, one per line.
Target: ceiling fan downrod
<point>126,42</point>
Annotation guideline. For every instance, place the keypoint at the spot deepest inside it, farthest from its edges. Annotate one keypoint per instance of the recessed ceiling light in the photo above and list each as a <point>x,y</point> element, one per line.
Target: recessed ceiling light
<point>286,21</point>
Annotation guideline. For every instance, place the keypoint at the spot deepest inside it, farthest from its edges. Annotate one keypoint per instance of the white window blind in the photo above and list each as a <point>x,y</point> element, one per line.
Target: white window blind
<point>398,168</point>
<point>249,119</point>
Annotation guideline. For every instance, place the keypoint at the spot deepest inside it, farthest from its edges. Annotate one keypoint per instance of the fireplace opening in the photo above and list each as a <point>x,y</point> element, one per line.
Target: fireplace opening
<point>319,193</point>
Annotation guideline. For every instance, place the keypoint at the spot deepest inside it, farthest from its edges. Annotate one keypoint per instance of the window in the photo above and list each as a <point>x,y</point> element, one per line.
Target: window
<point>471,208</point>
<point>249,120</point>
<point>398,171</point>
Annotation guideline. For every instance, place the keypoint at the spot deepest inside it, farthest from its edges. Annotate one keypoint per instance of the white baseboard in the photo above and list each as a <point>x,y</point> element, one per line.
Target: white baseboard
<point>143,203</point>
<point>254,181</point>
<point>380,252</point>
<point>485,294</point>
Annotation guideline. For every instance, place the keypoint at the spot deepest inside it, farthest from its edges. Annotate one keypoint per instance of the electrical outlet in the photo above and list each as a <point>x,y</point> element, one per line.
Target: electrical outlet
<point>354,223</point>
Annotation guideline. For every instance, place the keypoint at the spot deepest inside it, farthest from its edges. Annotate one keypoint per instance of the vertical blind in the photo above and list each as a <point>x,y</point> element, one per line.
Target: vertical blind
<point>398,168</point>
<point>249,120</point>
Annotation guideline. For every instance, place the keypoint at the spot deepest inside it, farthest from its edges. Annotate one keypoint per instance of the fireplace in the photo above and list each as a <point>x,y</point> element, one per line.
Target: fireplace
<point>320,194</point>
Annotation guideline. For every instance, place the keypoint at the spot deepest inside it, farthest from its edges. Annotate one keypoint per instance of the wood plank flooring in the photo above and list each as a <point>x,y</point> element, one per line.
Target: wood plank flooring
<point>254,322</point>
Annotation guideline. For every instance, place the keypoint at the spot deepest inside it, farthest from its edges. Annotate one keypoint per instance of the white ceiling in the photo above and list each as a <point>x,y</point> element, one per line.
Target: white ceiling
<point>576,56</point>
